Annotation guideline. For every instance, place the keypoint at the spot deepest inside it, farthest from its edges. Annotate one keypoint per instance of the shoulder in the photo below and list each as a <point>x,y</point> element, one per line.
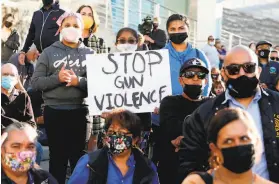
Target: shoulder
<point>273,94</point>
<point>193,179</point>
<point>170,98</point>
<point>41,176</point>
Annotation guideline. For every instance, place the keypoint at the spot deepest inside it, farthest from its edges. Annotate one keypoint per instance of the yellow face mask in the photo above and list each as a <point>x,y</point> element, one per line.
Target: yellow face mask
<point>87,21</point>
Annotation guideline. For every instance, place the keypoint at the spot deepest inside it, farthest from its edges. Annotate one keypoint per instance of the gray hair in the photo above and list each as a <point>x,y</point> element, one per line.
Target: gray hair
<point>21,126</point>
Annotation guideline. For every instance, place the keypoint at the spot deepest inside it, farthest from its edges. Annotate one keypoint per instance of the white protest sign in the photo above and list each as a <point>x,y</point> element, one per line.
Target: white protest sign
<point>136,81</point>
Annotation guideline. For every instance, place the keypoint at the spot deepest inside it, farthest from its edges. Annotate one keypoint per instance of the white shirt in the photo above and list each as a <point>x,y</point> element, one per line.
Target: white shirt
<point>212,55</point>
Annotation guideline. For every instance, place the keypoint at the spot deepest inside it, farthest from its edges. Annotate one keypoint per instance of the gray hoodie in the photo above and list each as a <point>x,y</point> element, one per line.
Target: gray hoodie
<point>45,77</point>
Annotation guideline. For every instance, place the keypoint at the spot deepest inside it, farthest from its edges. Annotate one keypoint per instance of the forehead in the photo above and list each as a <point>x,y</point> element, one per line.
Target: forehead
<point>20,136</point>
<point>238,57</point>
<point>274,53</point>
<point>126,34</point>
<point>116,126</point>
<point>210,37</point>
<point>177,23</point>
<point>71,20</point>
<point>8,70</point>
<point>10,18</point>
<point>233,129</point>
<point>86,10</point>
<point>264,46</point>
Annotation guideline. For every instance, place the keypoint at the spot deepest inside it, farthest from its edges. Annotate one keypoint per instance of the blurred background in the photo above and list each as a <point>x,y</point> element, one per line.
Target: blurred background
<point>233,21</point>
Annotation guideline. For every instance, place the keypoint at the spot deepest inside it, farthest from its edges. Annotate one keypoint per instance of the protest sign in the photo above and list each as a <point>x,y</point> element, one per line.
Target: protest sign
<point>137,81</point>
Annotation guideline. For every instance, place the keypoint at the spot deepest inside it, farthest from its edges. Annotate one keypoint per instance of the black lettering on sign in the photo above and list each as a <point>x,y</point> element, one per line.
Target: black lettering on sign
<point>126,101</point>
<point>147,99</point>
<point>160,58</point>
<point>135,99</point>
<point>121,99</point>
<point>128,82</point>
<point>115,65</point>
<point>99,105</point>
<point>110,107</point>
<point>143,61</point>
<point>125,60</point>
<point>152,96</point>
<point>161,91</point>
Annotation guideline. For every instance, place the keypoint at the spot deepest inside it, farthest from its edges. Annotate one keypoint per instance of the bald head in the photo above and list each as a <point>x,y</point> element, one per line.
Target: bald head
<point>9,69</point>
<point>239,55</point>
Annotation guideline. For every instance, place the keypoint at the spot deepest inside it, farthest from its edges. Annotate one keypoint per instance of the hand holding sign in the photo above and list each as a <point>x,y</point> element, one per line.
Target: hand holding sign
<point>74,79</point>
<point>64,75</point>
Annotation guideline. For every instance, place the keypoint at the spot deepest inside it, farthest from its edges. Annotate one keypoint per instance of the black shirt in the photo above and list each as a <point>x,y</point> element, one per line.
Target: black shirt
<point>160,38</point>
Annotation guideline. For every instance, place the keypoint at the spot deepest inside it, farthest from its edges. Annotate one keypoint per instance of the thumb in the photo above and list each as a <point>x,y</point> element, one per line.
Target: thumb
<point>63,67</point>
<point>72,72</point>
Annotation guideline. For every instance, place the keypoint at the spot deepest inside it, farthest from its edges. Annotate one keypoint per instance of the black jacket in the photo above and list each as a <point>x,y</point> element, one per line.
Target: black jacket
<point>39,176</point>
<point>269,74</point>
<point>98,164</point>
<point>194,152</point>
<point>160,38</point>
<point>43,28</point>
<point>10,46</point>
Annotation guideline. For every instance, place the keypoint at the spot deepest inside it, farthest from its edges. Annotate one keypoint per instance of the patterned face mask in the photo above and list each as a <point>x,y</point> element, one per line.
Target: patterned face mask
<point>21,161</point>
<point>118,143</point>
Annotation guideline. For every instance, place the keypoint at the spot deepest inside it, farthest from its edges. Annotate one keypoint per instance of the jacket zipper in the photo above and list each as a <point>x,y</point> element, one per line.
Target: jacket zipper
<point>44,21</point>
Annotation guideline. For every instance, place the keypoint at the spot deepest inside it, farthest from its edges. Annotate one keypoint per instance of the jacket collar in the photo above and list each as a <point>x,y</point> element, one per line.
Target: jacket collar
<point>98,163</point>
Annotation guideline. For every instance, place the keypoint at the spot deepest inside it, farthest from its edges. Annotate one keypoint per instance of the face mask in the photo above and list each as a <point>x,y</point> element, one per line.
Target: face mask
<point>8,82</point>
<point>264,53</point>
<point>178,38</point>
<point>118,143</point>
<point>126,47</point>
<point>87,21</point>
<point>155,25</point>
<point>193,91</point>
<point>211,43</point>
<point>8,24</point>
<point>71,34</point>
<point>214,76</point>
<point>47,2</point>
<point>21,161</point>
<point>242,87</point>
<point>239,159</point>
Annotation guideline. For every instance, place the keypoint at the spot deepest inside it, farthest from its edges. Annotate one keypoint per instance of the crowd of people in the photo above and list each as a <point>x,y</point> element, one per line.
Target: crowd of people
<point>220,125</point>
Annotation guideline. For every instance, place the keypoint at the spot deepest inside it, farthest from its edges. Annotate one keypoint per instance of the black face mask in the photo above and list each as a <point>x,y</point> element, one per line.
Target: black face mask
<point>242,87</point>
<point>264,53</point>
<point>239,159</point>
<point>178,38</point>
<point>47,2</point>
<point>8,24</point>
<point>193,91</point>
<point>155,25</point>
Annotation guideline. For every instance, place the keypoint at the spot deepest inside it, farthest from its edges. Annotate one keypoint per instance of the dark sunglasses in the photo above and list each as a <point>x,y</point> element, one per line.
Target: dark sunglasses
<point>274,58</point>
<point>130,41</point>
<point>191,74</point>
<point>234,69</point>
<point>211,39</point>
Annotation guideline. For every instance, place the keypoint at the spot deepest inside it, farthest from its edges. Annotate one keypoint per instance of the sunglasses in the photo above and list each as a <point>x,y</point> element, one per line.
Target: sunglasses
<point>130,41</point>
<point>191,74</point>
<point>274,58</point>
<point>211,39</point>
<point>234,69</point>
<point>214,76</point>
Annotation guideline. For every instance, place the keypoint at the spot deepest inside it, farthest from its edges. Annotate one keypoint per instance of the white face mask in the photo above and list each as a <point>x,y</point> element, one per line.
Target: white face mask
<point>126,47</point>
<point>71,34</point>
<point>211,43</point>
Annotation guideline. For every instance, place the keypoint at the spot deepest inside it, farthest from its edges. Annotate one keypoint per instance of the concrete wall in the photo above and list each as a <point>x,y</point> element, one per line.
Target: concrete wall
<point>250,28</point>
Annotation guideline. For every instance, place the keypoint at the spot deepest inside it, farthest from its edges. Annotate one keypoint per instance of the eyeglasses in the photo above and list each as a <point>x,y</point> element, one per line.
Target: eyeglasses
<point>191,74</point>
<point>234,69</point>
<point>130,41</point>
<point>211,39</point>
<point>110,132</point>
<point>274,58</point>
